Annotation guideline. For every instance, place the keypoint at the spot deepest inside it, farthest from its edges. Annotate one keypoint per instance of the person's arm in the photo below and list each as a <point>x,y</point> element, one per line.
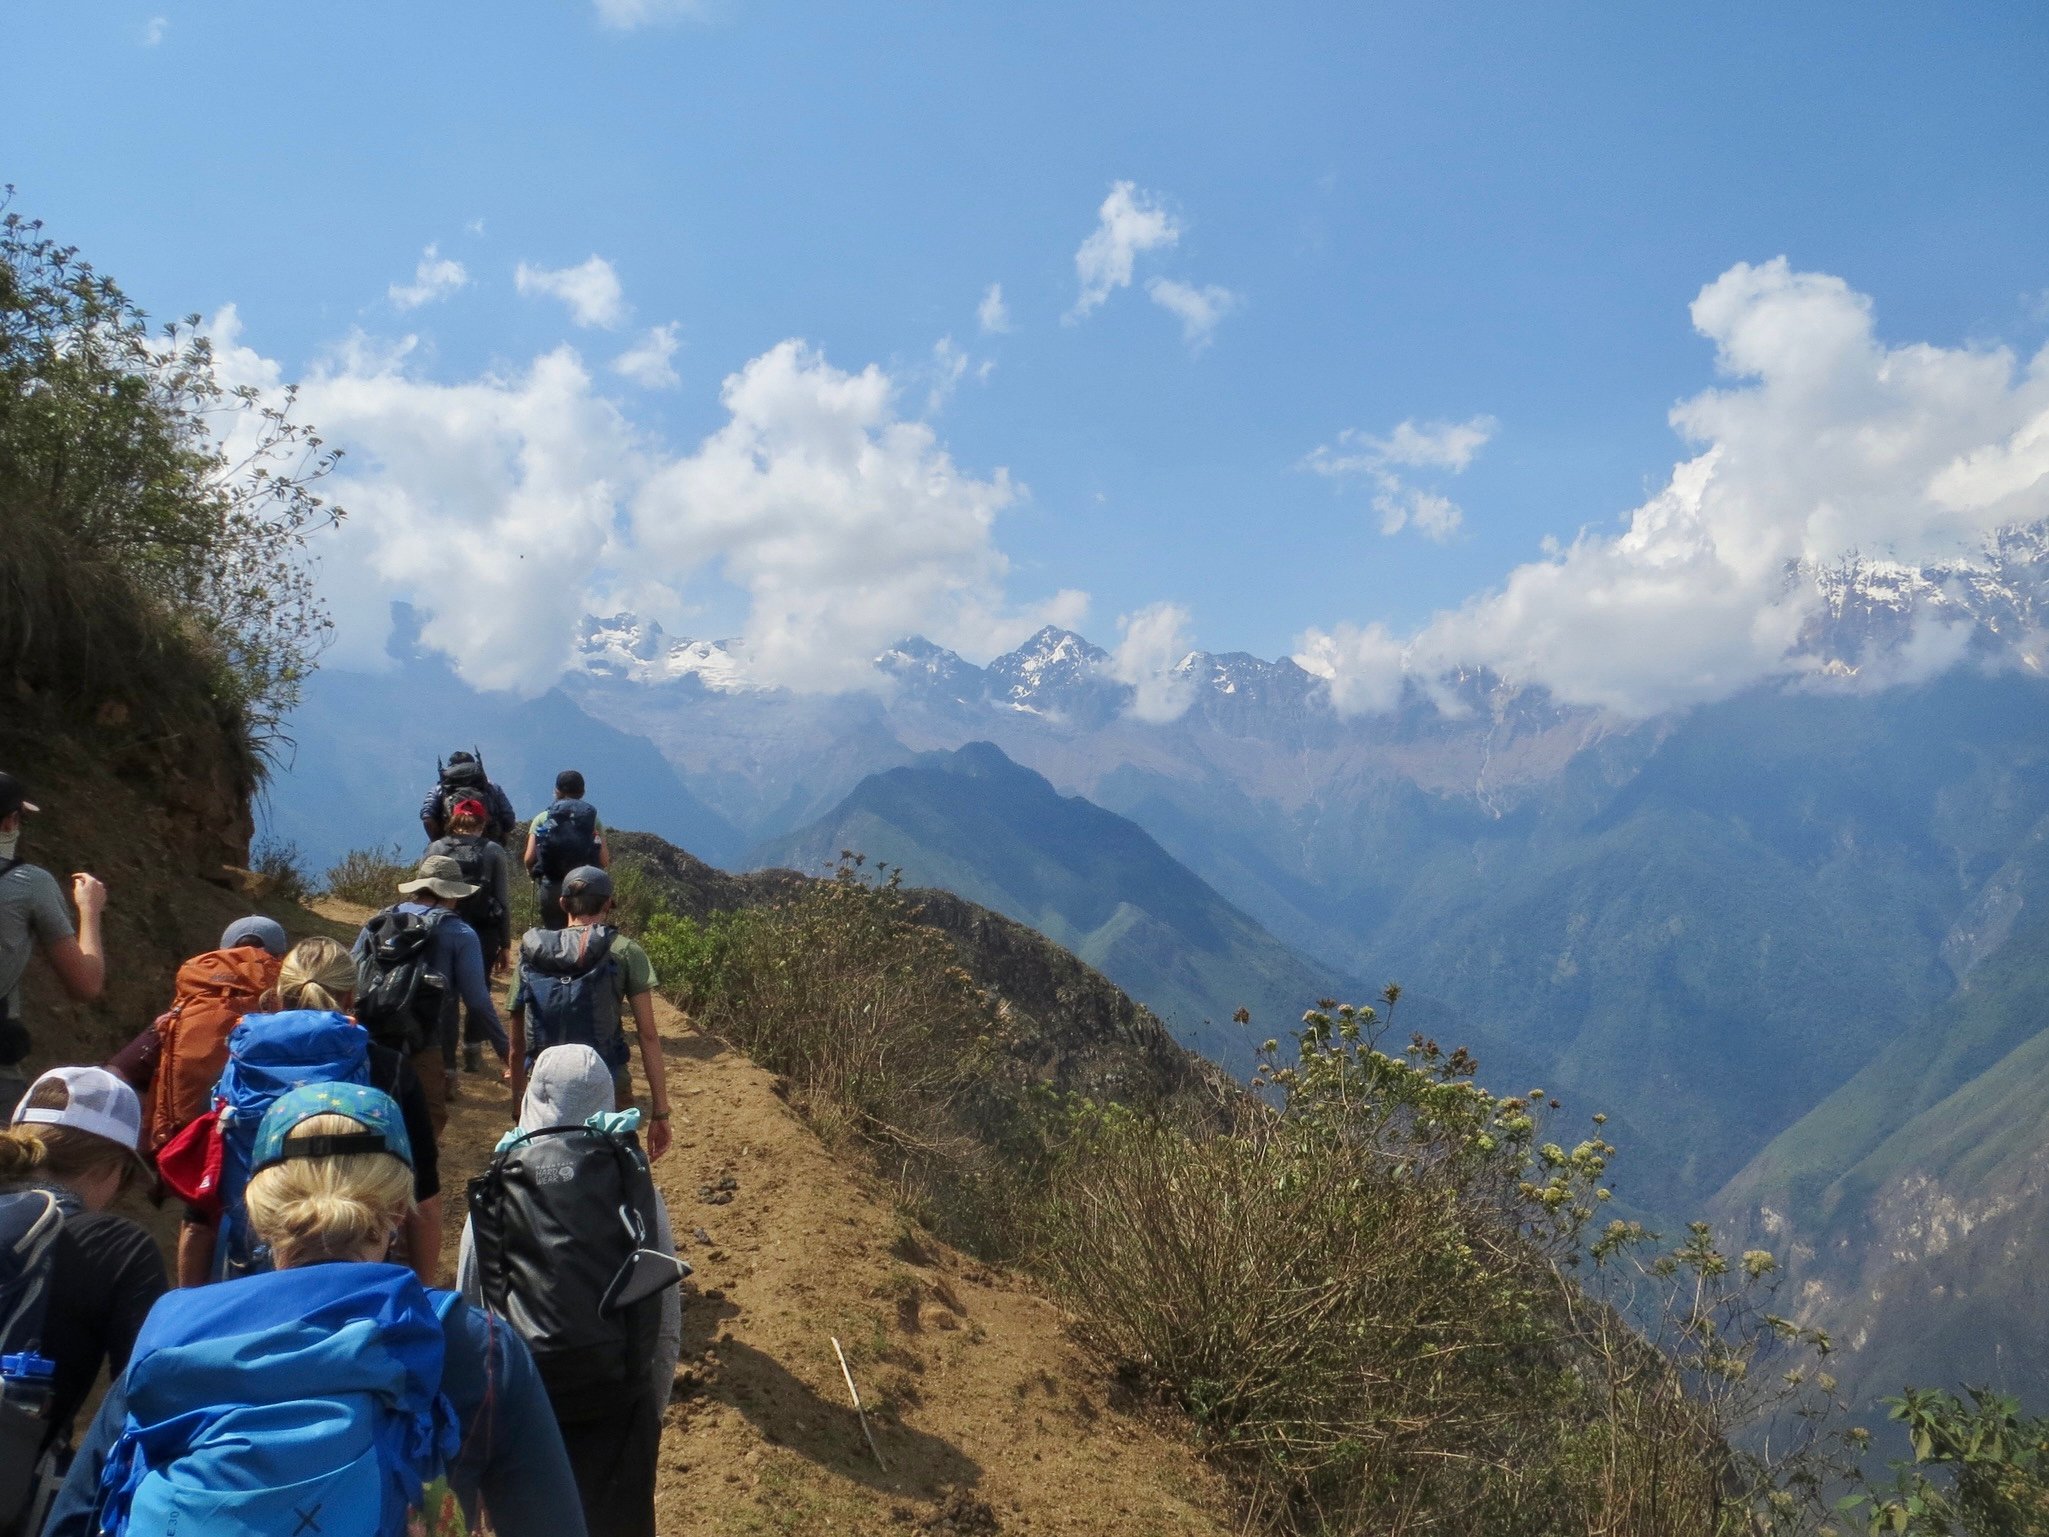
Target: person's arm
<point>423,1240</point>
<point>501,893</point>
<point>466,956</point>
<point>77,1503</point>
<point>195,1251</point>
<point>656,1067</point>
<point>527,858</point>
<point>515,1056</point>
<point>79,959</point>
<point>604,851</point>
<point>527,1487</point>
<point>431,820</point>
<point>467,1279</point>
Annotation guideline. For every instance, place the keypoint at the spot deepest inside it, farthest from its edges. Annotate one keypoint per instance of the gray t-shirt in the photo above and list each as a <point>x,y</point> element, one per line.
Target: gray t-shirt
<point>32,912</point>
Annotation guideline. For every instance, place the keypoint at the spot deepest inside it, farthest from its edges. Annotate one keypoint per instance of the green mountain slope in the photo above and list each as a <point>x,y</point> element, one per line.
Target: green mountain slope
<point>974,823</point>
<point>1909,1203</point>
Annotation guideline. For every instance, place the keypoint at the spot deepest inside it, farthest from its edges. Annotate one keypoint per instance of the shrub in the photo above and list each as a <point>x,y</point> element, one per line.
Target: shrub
<point>1990,1464</point>
<point>368,877</point>
<point>152,520</point>
<point>282,865</point>
<point>1364,1297</point>
<point>883,1037</point>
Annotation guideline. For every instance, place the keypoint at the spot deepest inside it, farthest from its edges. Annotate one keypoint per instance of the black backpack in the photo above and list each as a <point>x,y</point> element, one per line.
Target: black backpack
<point>400,998</point>
<point>565,839</point>
<point>480,910</point>
<point>565,977</point>
<point>30,1224</point>
<point>556,1220</point>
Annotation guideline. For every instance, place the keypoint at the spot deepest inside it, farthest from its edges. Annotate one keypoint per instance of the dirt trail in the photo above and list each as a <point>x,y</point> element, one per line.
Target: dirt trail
<point>987,1417</point>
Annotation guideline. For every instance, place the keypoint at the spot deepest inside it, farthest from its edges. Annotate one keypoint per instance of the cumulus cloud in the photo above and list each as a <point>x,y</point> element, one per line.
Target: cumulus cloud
<point>846,525</point>
<point>505,507</point>
<point>1442,446</point>
<point>154,29</point>
<point>1822,440</point>
<point>591,289</point>
<point>647,363</point>
<point>436,277</point>
<point>1198,309</point>
<point>1128,223</point>
<point>1152,646</point>
<point>992,314</point>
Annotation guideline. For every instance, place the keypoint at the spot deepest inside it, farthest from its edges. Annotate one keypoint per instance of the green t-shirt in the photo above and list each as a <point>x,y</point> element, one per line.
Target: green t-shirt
<point>632,974</point>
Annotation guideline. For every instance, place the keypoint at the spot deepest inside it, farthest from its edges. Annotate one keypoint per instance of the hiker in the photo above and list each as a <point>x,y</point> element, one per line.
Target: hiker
<point>488,911</point>
<point>417,964</point>
<point>84,1278</point>
<point>32,914</point>
<point>178,1059</point>
<point>554,1229</point>
<point>336,1386</point>
<point>575,985</point>
<point>460,777</point>
<point>565,836</point>
<point>318,977</point>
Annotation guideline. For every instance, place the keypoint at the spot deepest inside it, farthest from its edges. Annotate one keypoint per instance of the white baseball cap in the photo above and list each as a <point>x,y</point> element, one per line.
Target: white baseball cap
<point>95,1100</point>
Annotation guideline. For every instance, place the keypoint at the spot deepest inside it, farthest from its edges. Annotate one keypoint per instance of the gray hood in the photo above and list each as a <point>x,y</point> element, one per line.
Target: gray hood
<point>569,1085</point>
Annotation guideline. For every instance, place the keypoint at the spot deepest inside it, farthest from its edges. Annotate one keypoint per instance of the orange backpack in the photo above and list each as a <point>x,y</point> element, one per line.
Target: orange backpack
<point>214,991</point>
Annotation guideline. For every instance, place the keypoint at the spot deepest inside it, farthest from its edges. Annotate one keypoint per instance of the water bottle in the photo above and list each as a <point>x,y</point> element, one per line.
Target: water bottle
<point>27,1382</point>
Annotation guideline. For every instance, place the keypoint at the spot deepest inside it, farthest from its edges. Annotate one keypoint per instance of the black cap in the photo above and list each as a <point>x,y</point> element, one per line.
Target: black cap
<point>13,797</point>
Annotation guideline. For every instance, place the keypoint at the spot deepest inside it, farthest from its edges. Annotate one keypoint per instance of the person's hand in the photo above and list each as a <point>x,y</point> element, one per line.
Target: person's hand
<point>505,958</point>
<point>657,1138</point>
<point>89,893</point>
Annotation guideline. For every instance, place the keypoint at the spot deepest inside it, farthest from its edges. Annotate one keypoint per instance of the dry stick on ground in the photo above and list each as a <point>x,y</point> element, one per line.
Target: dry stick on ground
<point>847,1372</point>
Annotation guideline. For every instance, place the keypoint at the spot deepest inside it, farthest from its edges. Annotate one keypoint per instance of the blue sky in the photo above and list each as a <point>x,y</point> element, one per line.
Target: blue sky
<point>1415,214</point>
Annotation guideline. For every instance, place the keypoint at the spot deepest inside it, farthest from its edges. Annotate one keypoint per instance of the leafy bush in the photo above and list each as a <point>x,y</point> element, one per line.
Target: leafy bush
<point>368,877</point>
<point>883,1037</point>
<point>1991,1462</point>
<point>152,520</point>
<point>282,865</point>
<point>1364,1297</point>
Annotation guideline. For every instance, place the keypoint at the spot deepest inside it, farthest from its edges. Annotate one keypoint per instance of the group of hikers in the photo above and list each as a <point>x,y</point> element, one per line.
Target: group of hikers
<point>302,1372</point>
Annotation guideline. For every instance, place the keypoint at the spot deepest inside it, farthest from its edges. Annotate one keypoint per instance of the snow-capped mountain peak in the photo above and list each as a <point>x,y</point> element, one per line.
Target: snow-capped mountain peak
<point>627,646</point>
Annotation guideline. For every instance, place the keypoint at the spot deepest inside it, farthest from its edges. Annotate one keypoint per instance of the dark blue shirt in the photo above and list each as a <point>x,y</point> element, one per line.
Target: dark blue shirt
<point>512,1453</point>
<point>458,956</point>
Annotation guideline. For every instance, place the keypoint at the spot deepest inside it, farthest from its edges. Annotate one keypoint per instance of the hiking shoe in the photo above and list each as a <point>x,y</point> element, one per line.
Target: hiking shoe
<point>473,1057</point>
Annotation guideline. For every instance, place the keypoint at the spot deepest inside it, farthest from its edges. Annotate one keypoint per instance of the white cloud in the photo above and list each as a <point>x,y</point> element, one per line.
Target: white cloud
<point>1445,446</point>
<point>1823,440</point>
<point>1128,223</point>
<point>992,314</point>
<point>1364,665</point>
<point>949,367</point>
<point>591,289</point>
<point>846,525</point>
<point>436,277</point>
<point>626,15</point>
<point>1149,655</point>
<point>647,363</point>
<point>1198,309</point>
<point>153,31</point>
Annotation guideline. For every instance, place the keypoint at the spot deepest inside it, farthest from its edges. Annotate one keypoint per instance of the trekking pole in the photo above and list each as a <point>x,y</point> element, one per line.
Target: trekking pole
<point>860,1413</point>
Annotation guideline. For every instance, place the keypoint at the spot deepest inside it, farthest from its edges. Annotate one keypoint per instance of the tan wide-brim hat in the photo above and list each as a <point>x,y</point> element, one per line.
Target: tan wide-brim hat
<point>442,876</point>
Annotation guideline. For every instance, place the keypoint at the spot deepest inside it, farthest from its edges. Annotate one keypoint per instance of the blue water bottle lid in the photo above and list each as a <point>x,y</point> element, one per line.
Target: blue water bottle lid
<point>28,1365</point>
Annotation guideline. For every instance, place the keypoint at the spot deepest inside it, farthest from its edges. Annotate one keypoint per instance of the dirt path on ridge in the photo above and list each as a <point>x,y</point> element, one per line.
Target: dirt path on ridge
<point>987,1416</point>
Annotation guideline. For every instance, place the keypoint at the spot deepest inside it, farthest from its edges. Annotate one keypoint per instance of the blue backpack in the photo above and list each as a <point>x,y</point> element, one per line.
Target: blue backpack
<point>565,838</point>
<point>267,1055</point>
<point>566,981</point>
<point>305,1401</point>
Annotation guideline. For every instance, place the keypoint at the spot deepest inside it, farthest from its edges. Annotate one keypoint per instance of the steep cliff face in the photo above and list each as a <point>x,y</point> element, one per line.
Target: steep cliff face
<point>163,817</point>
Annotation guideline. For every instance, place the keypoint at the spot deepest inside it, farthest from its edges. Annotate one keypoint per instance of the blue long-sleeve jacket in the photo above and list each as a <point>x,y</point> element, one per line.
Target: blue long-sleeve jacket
<point>514,1459</point>
<point>458,956</point>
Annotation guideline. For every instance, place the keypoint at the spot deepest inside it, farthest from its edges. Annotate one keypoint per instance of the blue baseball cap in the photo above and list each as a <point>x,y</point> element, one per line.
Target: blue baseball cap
<point>384,1127</point>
